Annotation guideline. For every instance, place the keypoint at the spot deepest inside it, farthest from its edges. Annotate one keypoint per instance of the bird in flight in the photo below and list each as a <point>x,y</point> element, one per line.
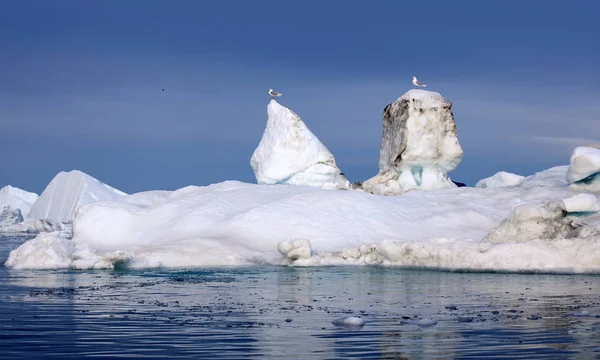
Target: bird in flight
<point>162,89</point>
<point>417,82</point>
<point>274,93</point>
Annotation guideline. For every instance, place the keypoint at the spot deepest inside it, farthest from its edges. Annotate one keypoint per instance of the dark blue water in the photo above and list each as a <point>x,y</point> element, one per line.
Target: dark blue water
<point>279,312</point>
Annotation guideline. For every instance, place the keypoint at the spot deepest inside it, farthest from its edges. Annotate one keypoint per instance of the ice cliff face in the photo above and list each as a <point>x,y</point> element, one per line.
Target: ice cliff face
<point>419,145</point>
<point>67,192</point>
<point>17,199</point>
<point>289,153</point>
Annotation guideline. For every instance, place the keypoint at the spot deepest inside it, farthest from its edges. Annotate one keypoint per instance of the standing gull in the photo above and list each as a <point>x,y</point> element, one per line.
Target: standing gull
<point>274,93</point>
<point>417,82</point>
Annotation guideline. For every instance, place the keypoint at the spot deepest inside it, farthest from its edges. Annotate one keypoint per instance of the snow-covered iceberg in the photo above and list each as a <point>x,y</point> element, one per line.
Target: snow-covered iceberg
<point>67,192</point>
<point>289,153</point>
<point>584,168</point>
<point>233,223</point>
<point>500,179</point>
<point>419,145</point>
<point>17,199</point>
<point>15,205</point>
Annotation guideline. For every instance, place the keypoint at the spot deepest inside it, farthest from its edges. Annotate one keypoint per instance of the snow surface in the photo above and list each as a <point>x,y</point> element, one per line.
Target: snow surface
<point>520,228</point>
<point>17,199</point>
<point>419,145</point>
<point>500,179</point>
<point>289,153</point>
<point>67,192</point>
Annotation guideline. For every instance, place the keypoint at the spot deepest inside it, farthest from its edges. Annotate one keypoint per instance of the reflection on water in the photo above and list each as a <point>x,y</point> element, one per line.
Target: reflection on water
<point>278,312</point>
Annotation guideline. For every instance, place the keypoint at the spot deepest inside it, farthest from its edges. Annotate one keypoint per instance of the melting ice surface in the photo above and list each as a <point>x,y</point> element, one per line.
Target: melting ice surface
<point>520,228</point>
<point>279,312</point>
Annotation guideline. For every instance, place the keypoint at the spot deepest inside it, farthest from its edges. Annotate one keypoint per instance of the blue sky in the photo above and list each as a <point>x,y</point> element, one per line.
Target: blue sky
<point>80,83</point>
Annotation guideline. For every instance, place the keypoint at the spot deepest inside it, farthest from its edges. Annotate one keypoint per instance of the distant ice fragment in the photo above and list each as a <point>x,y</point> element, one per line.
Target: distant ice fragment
<point>9,216</point>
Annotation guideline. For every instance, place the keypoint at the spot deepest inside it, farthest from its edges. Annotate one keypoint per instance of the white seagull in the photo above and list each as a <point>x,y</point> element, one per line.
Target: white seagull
<point>274,93</point>
<point>417,82</point>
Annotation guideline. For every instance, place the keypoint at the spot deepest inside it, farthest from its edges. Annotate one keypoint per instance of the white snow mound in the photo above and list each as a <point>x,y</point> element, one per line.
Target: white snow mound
<point>500,179</point>
<point>67,192</point>
<point>289,153</point>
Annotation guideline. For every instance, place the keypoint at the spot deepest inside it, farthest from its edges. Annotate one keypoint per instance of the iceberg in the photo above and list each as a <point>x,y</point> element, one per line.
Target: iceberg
<point>419,145</point>
<point>17,199</point>
<point>289,153</point>
<point>234,223</point>
<point>67,192</point>
<point>546,222</point>
<point>500,179</point>
<point>9,216</point>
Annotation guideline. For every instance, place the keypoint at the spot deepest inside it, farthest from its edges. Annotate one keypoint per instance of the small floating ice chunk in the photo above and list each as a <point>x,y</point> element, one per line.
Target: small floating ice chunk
<point>426,322</point>
<point>295,249</point>
<point>581,313</point>
<point>350,322</point>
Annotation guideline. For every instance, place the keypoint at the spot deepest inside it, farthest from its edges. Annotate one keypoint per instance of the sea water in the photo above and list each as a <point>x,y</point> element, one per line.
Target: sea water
<point>361,312</point>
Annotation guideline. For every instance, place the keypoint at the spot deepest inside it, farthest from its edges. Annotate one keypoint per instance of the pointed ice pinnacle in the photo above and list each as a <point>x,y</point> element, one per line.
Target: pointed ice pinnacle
<point>289,153</point>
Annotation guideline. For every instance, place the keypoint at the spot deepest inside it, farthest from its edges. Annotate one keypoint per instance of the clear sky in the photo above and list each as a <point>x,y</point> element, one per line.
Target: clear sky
<point>80,83</point>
